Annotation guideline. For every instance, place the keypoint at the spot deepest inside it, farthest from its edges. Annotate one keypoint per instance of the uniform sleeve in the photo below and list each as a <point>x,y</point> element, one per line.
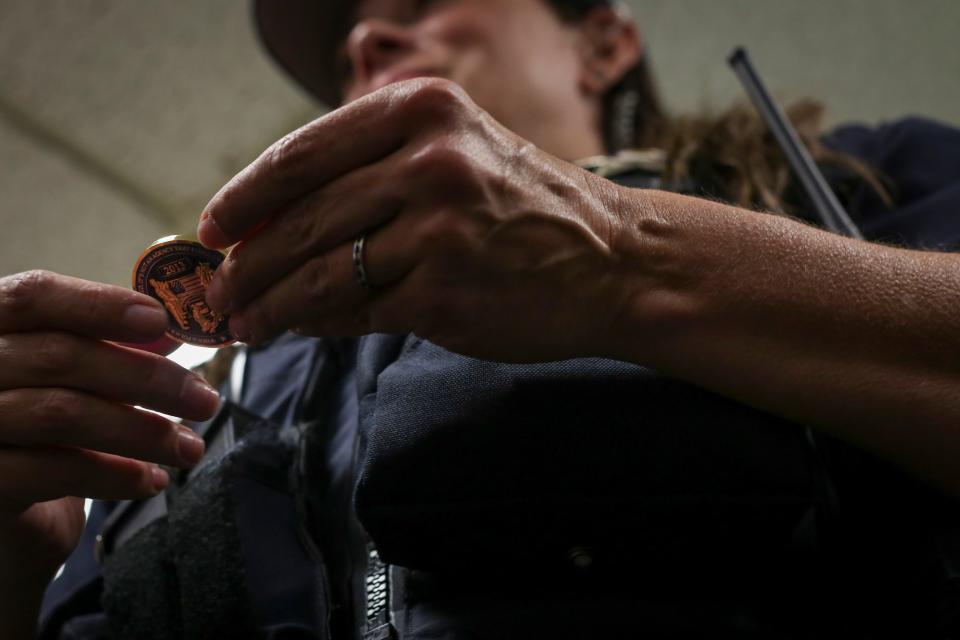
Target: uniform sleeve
<point>919,160</point>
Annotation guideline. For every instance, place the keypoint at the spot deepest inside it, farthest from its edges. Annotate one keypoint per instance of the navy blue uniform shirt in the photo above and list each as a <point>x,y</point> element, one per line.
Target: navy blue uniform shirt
<point>920,158</point>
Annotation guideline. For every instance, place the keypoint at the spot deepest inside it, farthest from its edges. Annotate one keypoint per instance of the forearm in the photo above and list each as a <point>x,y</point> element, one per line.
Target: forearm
<point>859,340</point>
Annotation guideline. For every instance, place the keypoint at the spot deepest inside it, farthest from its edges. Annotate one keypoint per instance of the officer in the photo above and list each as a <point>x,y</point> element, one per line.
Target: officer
<point>581,498</point>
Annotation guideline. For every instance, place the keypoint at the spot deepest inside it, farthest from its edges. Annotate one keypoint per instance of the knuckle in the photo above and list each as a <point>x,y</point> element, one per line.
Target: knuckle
<point>289,155</point>
<point>442,161</point>
<point>156,376</point>
<point>95,301</point>
<point>317,286</point>
<point>20,291</point>
<point>160,435</point>
<point>440,99</point>
<point>300,226</point>
<point>157,372</point>
<point>55,354</point>
<point>446,232</point>
<point>56,411</point>
<point>434,232</point>
<point>461,236</point>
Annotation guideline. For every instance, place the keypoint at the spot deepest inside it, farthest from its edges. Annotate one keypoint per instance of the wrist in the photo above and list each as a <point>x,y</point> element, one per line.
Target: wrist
<point>660,270</point>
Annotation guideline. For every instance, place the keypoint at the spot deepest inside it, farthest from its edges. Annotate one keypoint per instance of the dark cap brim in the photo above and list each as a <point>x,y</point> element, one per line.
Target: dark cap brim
<point>302,36</point>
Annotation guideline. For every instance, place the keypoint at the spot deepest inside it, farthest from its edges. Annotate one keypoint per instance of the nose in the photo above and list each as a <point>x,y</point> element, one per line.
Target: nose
<point>374,45</point>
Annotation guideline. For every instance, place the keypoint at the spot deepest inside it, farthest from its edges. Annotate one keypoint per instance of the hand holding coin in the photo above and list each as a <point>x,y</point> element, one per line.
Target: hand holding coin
<point>176,271</point>
<point>413,210</point>
<point>69,426</point>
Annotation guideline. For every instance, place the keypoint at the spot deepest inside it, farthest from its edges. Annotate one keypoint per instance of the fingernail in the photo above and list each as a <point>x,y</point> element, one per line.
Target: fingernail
<point>147,318</point>
<point>160,479</point>
<point>190,446</point>
<point>200,396</point>
<point>209,232</point>
<point>239,329</point>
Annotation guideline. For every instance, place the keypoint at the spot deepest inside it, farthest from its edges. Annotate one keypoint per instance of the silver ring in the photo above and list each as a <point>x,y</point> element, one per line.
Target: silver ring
<point>358,264</point>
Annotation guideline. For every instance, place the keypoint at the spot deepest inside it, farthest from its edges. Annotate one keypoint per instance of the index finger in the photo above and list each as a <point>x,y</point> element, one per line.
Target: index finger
<point>42,300</point>
<point>355,135</point>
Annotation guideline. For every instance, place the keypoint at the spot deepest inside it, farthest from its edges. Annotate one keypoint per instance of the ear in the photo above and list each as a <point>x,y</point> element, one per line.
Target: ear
<point>610,46</point>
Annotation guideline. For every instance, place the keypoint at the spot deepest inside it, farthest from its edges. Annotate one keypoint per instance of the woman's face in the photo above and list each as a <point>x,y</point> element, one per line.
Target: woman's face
<point>515,58</point>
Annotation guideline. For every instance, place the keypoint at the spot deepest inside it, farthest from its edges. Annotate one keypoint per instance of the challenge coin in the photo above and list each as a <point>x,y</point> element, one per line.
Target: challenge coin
<point>177,271</point>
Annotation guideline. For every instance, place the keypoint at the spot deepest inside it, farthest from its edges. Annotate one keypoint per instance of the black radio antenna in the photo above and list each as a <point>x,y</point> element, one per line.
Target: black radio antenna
<point>824,200</point>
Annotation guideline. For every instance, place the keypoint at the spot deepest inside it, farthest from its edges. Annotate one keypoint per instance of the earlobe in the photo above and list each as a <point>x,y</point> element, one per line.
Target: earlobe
<point>610,47</point>
<point>594,75</point>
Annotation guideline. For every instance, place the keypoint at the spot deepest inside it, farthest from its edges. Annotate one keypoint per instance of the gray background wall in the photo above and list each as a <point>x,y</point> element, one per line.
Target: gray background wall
<point>118,119</point>
<point>869,60</point>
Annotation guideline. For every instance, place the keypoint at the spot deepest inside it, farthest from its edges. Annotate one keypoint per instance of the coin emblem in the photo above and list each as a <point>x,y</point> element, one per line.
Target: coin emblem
<point>177,271</point>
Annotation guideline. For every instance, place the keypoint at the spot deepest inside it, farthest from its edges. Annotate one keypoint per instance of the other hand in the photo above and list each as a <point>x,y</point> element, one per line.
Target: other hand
<point>475,239</point>
<point>69,428</point>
